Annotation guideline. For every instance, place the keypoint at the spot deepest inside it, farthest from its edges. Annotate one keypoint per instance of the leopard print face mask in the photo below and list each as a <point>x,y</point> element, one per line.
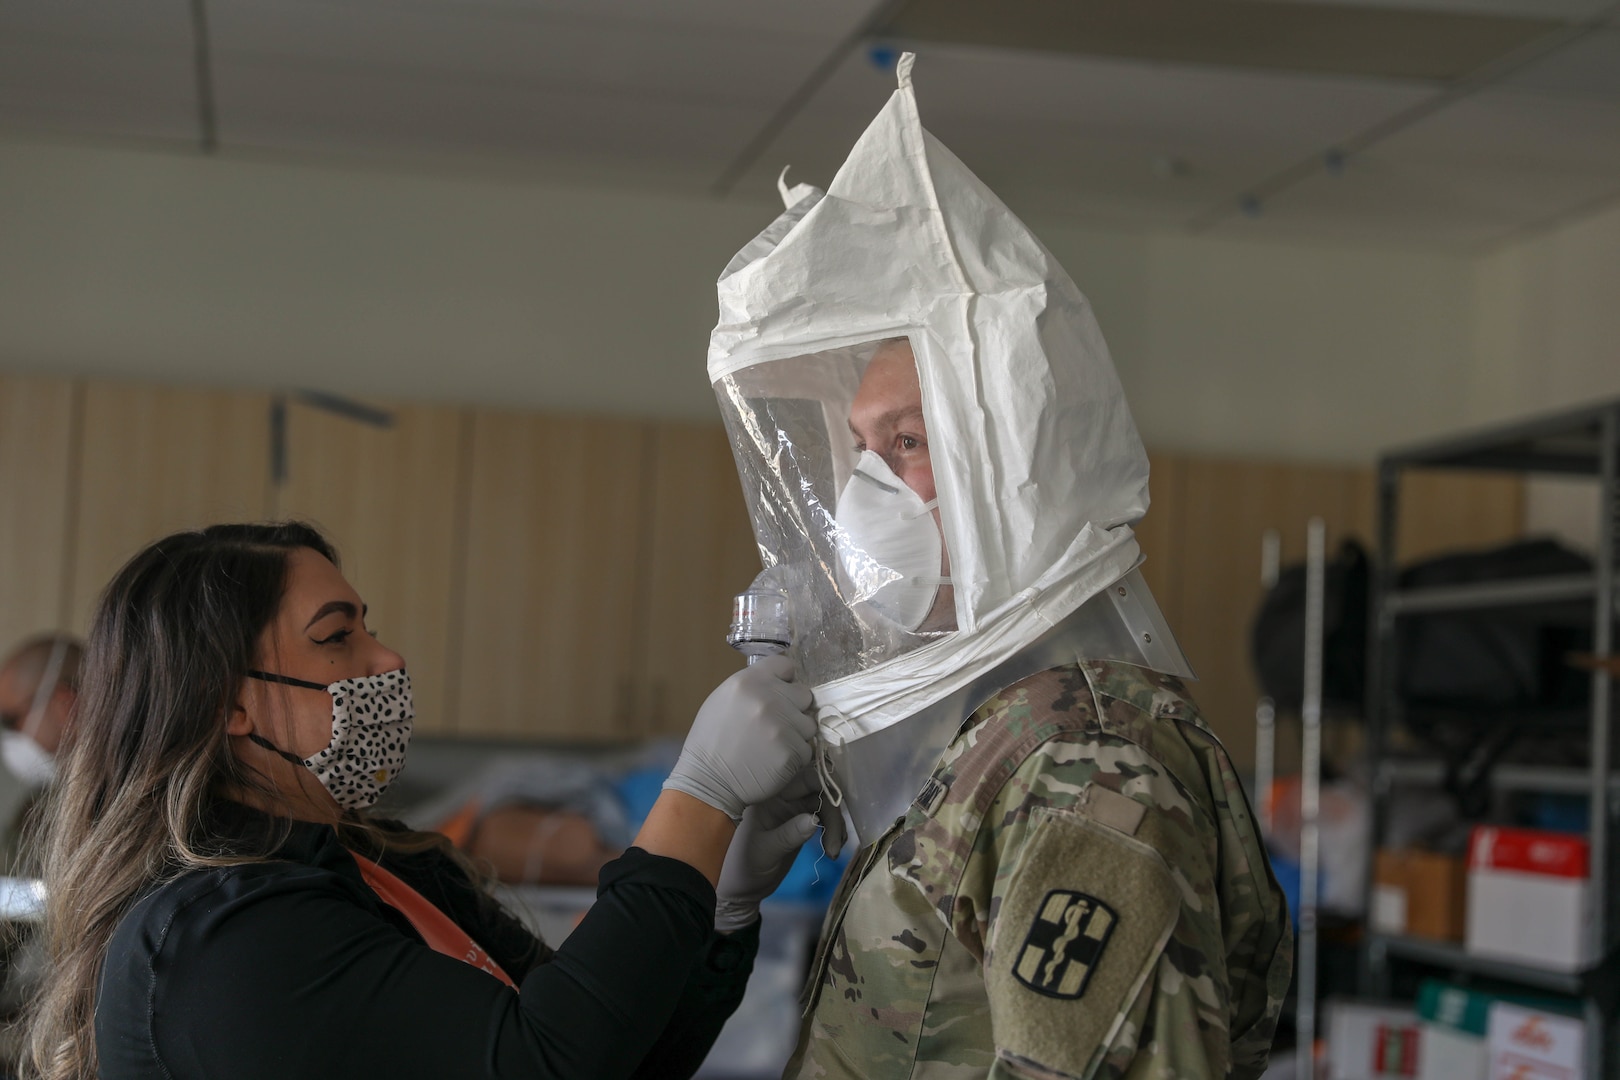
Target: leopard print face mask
<point>371,727</point>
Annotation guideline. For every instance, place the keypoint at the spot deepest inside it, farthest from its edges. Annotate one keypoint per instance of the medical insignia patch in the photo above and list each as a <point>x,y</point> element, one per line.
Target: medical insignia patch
<point>1064,944</point>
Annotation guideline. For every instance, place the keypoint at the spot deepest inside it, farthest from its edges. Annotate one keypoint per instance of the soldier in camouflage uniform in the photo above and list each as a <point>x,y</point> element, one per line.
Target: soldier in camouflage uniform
<point>1077,888</point>
<point>1079,891</point>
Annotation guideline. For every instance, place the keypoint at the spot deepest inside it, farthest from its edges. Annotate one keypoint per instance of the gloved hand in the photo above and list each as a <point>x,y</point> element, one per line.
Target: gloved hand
<point>751,738</point>
<point>762,852</point>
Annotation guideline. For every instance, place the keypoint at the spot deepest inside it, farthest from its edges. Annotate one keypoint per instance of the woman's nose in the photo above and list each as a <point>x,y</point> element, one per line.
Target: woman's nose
<point>383,659</point>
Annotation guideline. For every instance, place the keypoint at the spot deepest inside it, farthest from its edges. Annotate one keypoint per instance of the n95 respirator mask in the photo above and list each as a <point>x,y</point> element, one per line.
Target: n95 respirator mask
<point>889,549</point>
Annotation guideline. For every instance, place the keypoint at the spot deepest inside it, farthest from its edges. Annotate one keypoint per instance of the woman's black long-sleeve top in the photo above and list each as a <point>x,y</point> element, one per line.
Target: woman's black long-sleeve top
<point>293,968</point>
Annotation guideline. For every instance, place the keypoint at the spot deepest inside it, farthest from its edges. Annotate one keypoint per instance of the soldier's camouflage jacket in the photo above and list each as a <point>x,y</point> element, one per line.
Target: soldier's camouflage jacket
<point>1078,891</point>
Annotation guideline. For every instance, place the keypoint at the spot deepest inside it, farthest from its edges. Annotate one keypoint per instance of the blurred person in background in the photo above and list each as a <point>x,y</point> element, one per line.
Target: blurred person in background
<point>220,904</point>
<point>39,683</point>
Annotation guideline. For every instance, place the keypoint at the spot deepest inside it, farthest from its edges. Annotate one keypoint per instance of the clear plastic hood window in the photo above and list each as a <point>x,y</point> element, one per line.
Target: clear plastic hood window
<point>836,466</point>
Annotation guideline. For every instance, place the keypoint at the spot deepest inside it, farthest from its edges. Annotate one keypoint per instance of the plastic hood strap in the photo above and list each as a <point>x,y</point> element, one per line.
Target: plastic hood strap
<point>875,775</point>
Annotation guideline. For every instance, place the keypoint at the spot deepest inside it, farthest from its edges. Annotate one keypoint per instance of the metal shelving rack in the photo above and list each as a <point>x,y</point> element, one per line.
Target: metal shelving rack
<point>1584,442</point>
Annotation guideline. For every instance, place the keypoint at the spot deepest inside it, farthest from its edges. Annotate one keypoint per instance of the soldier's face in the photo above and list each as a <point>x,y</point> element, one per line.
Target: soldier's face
<point>886,417</point>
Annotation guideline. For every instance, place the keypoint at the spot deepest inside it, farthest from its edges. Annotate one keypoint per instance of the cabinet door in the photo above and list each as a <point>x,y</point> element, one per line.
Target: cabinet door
<point>156,460</point>
<point>701,554</point>
<point>1161,534</point>
<point>1225,508</point>
<point>1445,510</point>
<point>387,498</point>
<point>38,418</point>
<point>549,644</point>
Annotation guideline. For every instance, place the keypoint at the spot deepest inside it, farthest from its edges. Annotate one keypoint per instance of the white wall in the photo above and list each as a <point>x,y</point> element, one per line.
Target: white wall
<point>247,272</point>
<point>1547,337</point>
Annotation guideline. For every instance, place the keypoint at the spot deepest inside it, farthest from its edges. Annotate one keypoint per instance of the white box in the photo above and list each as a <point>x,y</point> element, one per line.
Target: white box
<point>1528,1044</point>
<point>1444,1053</point>
<point>1370,1042</point>
<point>1529,899</point>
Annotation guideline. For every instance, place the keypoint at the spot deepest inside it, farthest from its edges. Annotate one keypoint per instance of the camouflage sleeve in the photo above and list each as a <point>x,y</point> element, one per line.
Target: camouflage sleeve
<point>1098,892</point>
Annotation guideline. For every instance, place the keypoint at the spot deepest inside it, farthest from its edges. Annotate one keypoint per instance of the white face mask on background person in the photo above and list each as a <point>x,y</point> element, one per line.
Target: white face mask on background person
<point>26,759</point>
<point>889,548</point>
<point>371,729</point>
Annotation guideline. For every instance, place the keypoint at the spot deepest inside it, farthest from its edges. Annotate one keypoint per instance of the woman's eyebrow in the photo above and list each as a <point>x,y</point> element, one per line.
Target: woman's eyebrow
<point>334,605</point>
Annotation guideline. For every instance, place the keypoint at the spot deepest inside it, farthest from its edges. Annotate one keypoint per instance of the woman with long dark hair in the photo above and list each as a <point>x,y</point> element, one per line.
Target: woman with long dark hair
<point>219,904</point>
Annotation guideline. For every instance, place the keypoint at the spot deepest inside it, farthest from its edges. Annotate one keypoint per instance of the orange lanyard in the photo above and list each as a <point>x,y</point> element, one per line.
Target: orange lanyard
<point>437,929</point>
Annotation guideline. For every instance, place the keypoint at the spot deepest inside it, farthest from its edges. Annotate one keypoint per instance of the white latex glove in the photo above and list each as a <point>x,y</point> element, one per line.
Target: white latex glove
<point>751,738</point>
<point>762,852</point>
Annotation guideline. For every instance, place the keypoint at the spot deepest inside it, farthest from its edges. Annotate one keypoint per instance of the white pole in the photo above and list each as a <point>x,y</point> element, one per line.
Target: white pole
<point>1265,711</point>
<point>1310,792</point>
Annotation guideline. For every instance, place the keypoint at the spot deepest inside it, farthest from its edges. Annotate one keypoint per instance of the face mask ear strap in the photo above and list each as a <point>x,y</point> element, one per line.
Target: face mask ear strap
<point>284,680</point>
<point>824,771</point>
<point>260,740</point>
<point>48,682</point>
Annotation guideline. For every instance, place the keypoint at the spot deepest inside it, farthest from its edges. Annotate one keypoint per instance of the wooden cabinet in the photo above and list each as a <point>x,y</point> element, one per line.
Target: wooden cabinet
<point>700,553</point>
<point>1224,509</point>
<point>1160,533</point>
<point>39,423</point>
<point>154,460</point>
<point>1452,510</point>
<point>555,514</point>
<point>387,497</point>
<point>569,578</point>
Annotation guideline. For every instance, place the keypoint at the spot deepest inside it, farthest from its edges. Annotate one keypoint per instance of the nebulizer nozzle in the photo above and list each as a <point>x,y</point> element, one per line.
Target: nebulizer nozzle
<point>759,619</point>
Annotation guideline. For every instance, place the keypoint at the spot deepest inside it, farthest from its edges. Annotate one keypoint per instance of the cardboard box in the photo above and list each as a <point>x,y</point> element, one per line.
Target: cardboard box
<point>1448,1054</point>
<point>1419,893</point>
<point>1529,898</point>
<point>1370,1042</point>
<point>1452,1026</point>
<point>1530,1044</point>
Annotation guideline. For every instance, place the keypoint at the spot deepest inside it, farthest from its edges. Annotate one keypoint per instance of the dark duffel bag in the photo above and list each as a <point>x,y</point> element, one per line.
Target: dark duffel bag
<point>1278,636</point>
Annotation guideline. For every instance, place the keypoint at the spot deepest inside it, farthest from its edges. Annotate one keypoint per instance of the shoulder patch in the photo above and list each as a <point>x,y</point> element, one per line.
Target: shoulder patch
<point>1087,914</point>
<point>1064,944</point>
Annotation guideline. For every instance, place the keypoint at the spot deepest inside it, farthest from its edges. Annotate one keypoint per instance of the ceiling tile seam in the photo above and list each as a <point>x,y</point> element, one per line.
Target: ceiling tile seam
<point>534,17</point>
<point>105,46</point>
<point>426,76</point>
<point>422,164</point>
<point>1465,87</point>
<point>203,72</point>
<point>795,102</point>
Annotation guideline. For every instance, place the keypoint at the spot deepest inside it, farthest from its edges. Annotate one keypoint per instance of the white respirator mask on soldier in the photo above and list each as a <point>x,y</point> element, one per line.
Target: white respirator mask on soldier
<point>889,549</point>
<point>906,311</point>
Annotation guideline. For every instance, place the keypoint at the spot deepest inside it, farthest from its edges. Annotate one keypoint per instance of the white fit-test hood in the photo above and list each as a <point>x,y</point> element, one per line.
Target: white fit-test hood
<point>1039,471</point>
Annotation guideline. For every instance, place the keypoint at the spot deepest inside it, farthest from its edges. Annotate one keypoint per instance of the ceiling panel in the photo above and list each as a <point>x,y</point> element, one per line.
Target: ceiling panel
<point>150,23</point>
<point>1381,41</point>
<point>1469,176</point>
<point>543,82</point>
<point>1589,67</point>
<point>1539,9</point>
<point>102,68</point>
<point>827,19</point>
<point>553,53</point>
<point>269,106</point>
<point>1142,139</point>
